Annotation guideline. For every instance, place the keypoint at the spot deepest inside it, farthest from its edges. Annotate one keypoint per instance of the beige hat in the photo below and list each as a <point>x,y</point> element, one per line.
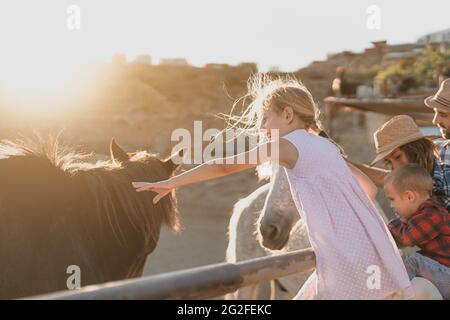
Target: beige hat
<point>395,133</point>
<point>441,100</point>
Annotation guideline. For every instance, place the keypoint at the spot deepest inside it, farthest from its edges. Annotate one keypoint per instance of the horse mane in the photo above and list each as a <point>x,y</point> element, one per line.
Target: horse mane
<point>109,183</point>
<point>59,155</point>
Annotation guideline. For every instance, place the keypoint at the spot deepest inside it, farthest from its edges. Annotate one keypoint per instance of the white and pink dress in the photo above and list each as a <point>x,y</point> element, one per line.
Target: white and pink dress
<point>356,256</point>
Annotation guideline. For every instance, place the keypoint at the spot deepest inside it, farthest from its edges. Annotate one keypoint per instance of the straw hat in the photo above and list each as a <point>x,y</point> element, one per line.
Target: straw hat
<point>395,133</point>
<point>441,100</point>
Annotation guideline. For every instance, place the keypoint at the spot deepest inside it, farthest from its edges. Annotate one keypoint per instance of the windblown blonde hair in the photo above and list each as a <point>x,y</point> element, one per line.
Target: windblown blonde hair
<point>276,92</point>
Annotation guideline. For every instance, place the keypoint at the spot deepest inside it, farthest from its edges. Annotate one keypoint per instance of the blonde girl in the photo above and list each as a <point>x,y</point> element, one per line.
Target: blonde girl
<point>356,258</point>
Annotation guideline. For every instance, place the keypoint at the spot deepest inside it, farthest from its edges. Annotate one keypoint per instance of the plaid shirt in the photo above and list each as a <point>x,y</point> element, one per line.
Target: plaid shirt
<point>428,228</point>
<point>443,148</point>
<point>441,182</point>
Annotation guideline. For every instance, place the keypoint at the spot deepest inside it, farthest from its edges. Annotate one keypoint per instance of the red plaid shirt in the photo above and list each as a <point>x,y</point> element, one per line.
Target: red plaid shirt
<point>428,229</point>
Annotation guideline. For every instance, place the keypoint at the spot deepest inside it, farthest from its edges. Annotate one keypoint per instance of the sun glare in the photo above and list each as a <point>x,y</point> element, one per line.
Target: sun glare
<point>43,86</point>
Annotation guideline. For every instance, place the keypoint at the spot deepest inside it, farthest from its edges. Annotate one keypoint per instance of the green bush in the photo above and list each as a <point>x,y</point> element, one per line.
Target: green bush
<point>423,68</point>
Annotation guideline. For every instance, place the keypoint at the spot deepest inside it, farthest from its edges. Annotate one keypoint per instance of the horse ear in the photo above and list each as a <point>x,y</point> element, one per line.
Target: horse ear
<point>117,153</point>
<point>174,161</point>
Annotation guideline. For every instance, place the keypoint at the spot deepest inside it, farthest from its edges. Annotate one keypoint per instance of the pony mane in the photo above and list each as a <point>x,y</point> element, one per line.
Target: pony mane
<point>58,154</point>
<point>108,182</point>
<point>61,155</point>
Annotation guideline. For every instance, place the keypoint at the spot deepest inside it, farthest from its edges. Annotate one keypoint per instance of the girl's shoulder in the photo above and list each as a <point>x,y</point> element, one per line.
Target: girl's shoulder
<point>301,138</point>
<point>313,147</point>
<point>295,136</point>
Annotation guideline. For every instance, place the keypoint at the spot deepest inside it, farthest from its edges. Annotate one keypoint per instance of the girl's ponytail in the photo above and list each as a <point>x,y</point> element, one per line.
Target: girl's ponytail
<point>323,134</point>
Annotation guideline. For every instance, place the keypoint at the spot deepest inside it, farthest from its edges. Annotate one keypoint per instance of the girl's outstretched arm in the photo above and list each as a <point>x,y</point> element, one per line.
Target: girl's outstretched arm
<point>221,167</point>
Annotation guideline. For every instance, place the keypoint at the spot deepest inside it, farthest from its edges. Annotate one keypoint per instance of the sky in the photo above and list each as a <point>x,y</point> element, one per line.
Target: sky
<point>288,34</point>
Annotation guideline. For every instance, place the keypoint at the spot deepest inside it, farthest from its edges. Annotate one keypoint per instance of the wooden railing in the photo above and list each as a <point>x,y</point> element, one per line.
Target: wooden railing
<point>197,283</point>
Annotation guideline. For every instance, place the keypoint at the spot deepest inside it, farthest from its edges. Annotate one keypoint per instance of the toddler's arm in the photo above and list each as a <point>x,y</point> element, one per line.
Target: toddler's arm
<point>419,229</point>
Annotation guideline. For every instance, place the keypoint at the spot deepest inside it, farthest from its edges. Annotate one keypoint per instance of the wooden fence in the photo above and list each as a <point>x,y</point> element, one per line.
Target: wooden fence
<point>197,283</point>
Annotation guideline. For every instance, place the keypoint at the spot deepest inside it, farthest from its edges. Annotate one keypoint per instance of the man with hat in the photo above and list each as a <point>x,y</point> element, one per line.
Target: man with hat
<point>400,141</point>
<point>440,103</point>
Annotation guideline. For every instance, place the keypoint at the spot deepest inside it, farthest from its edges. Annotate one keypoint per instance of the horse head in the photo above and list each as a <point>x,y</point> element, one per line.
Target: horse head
<point>279,213</point>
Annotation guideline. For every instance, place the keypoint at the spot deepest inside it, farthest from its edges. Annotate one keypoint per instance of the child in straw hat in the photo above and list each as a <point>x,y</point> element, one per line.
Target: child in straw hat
<point>399,141</point>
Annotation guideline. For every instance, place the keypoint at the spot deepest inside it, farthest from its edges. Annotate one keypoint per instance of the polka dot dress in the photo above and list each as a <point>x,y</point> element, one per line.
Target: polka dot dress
<point>356,257</point>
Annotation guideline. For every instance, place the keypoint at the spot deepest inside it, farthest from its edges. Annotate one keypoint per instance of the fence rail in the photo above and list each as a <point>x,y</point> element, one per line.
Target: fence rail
<point>196,283</point>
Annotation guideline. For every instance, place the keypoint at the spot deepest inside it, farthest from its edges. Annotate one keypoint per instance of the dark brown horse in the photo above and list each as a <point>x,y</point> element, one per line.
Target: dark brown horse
<point>57,211</point>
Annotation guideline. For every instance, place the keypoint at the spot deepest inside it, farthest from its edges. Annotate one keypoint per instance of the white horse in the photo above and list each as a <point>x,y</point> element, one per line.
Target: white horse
<point>244,243</point>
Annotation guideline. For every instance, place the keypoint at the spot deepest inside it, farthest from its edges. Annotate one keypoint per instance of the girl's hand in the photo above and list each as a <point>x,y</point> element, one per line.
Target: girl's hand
<point>162,188</point>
